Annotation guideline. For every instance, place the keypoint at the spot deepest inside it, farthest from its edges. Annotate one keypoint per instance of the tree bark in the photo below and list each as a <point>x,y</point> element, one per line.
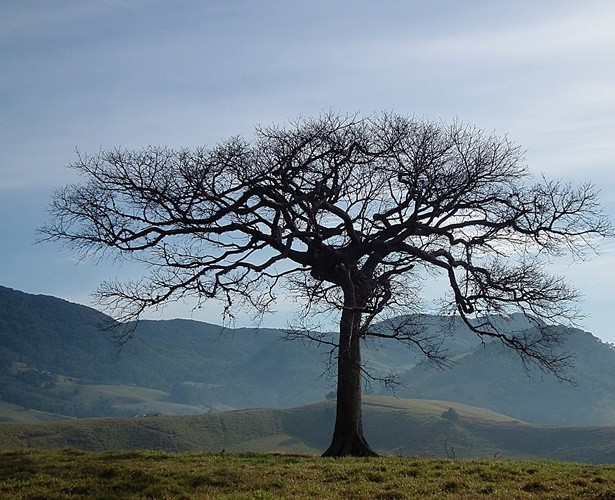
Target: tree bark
<point>348,437</point>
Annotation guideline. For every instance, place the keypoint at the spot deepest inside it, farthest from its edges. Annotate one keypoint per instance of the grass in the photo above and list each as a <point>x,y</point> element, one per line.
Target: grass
<point>147,474</point>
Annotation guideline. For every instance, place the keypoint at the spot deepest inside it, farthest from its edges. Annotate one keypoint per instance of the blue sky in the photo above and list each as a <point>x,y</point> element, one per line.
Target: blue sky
<point>98,74</point>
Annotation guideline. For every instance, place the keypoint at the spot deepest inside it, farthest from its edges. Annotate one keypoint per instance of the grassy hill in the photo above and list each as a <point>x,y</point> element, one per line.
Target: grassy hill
<point>393,426</point>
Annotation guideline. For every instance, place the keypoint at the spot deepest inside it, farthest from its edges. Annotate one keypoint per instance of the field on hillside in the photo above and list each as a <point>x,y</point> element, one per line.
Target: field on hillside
<point>14,413</point>
<point>77,474</point>
<point>123,399</point>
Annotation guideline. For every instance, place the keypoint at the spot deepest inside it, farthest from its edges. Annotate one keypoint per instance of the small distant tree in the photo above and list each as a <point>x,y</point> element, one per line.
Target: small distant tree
<point>450,415</point>
<point>349,214</point>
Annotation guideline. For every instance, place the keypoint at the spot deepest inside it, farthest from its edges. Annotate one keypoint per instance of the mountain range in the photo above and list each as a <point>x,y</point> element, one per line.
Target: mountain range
<point>58,359</point>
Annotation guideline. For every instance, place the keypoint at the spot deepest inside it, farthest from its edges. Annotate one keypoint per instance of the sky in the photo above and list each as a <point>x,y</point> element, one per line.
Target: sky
<point>90,75</point>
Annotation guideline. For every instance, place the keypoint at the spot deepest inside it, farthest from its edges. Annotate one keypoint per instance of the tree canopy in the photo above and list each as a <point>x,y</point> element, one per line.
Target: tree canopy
<point>345,213</point>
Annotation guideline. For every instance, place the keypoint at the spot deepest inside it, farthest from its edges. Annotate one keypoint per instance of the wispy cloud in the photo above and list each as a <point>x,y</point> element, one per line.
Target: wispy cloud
<point>95,75</point>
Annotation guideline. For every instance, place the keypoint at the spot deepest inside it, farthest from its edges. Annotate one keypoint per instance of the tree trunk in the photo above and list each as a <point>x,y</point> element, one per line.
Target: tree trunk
<point>348,433</point>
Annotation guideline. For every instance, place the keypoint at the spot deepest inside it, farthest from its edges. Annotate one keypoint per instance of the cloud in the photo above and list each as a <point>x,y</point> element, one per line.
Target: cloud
<point>96,75</point>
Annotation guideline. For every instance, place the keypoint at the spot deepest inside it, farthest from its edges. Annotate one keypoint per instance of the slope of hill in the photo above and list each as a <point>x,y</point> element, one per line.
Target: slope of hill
<point>393,426</point>
<point>47,344</point>
<point>15,413</point>
<point>494,377</point>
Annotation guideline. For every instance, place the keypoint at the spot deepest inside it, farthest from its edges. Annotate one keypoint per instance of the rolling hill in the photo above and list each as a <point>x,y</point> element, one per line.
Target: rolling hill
<point>393,426</point>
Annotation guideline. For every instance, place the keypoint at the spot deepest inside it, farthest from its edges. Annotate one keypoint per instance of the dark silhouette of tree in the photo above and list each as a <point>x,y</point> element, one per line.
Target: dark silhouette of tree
<point>451,415</point>
<point>350,214</point>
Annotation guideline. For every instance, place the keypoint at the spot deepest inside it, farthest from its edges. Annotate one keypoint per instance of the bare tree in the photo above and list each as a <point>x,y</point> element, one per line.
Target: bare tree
<point>349,214</point>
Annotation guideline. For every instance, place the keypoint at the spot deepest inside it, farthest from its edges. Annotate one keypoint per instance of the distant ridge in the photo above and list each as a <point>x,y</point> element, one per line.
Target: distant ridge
<point>55,358</point>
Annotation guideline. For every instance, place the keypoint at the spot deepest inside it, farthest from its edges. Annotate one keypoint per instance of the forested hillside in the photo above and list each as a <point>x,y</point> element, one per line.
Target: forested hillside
<point>48,345</point>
